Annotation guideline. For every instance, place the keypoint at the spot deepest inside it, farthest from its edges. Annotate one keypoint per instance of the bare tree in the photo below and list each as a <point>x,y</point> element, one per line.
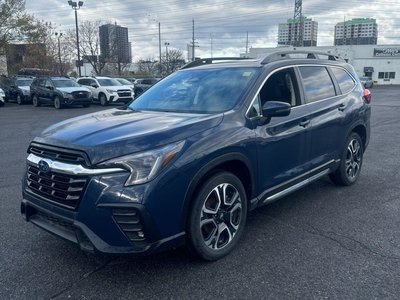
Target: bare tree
<point>148,66</point>
<point>172,61</point>
<point>89,44</point>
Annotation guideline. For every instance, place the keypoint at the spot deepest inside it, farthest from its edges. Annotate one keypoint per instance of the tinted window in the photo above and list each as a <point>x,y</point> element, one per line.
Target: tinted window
<point>65,83</point>
<point>108,82</point>
<point>23,82</point>
<point>346,83</point>
<point>197,91</point>
<point>317,83</point>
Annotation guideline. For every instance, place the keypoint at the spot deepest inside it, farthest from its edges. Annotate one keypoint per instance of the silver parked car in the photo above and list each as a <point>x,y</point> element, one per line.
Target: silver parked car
<point>366,82</point>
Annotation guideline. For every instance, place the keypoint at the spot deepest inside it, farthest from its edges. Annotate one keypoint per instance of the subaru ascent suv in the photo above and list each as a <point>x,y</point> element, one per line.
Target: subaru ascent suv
<point>188,159</point>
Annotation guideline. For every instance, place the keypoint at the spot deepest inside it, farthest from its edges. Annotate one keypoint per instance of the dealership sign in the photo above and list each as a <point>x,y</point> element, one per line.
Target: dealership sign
<point>387,52</point>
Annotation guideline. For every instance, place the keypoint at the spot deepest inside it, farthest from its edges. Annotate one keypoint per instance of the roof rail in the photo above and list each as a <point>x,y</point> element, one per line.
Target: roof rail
<point>206,61</point>
<point>286,54</point>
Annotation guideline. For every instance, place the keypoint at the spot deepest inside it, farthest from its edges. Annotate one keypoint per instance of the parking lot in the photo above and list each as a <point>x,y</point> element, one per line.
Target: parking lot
<point>323,241</point>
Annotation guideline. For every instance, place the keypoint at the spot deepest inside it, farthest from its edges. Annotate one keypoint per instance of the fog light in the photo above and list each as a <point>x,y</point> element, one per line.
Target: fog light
<point>140,234</point>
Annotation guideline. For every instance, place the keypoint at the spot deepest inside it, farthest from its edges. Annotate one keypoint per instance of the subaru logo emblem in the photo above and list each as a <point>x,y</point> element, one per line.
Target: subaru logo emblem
<point>44,166</point>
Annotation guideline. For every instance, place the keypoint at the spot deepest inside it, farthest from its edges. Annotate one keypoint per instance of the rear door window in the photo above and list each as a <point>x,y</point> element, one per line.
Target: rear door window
<point>317,83</point>
<point>345,81</point>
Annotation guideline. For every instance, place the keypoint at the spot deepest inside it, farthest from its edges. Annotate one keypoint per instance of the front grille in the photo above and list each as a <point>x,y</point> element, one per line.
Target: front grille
<point>124,93</point>
<point>63,155</point>
<point>130,222</point>
<point>62,189</point>
<point>80,95</point>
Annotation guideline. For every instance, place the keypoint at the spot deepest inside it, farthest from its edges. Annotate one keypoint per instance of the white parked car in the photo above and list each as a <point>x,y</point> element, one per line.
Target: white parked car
<point>2,97</point>
<point>107,90</point>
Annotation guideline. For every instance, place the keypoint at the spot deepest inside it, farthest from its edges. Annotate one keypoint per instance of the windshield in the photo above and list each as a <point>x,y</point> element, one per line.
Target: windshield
<point>65,83</point>
<point>124,81</point>
<point>23,82</point>
<point>108,82</point>
<point>197,91</point>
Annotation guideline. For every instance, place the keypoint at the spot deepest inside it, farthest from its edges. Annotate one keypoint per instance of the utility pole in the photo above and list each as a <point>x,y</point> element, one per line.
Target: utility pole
<point>75,6</point>
<point>193,41</point>
<point>159,47</point>
<point>58,35</point>
<point>247,43</point>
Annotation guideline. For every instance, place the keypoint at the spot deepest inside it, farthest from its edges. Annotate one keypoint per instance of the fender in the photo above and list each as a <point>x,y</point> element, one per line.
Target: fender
<point>234,156</point>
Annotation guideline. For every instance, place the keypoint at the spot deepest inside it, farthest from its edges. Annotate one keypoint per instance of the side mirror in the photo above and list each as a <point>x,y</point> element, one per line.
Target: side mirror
<point>49,87</point>
<point>94,85</point>
<point>276,109</point>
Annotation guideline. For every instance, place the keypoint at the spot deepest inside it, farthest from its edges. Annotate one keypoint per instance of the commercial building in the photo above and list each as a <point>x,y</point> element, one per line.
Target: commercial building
<point>356,32</point>
<point>290,33</point>
<point>114,44</point>
<point>380,62</point>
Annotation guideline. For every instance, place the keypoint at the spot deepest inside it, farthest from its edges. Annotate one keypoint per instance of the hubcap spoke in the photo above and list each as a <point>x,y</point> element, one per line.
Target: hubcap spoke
<point>353,159</point>
<point>220,216</point>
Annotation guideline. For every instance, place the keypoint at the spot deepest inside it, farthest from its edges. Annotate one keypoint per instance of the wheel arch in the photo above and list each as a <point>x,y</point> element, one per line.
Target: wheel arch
<point>235,163</point>
<point>362,132</point>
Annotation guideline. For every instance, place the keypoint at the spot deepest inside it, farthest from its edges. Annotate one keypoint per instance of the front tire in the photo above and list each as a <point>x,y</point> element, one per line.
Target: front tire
<point>217,217</point>
<point>35,101</point>
<point>19,99</point>
<point>350,163</point>
<point>103,100</point>
<point>57,102</point>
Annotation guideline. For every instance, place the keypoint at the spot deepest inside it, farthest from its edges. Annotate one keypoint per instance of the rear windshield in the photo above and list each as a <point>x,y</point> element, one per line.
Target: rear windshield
<point>197,91</point>
<point>23,82</point>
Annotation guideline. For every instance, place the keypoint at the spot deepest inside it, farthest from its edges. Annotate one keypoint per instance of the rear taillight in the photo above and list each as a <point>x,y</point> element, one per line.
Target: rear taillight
<point>367,96</point>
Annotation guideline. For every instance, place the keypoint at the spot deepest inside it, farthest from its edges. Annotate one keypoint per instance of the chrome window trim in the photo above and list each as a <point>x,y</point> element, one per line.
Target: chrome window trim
<point>69,169</point>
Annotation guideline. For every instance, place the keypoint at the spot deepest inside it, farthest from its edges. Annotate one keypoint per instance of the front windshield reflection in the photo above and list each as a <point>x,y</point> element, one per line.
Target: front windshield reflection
<point>197,91</point>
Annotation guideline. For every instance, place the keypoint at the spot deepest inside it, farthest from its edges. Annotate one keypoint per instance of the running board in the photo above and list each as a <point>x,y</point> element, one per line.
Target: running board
<point>295,187</point>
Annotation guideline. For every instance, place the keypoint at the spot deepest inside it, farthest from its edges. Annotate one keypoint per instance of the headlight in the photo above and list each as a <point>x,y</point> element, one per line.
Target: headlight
<point>145,166</point>
<point>110,91</point>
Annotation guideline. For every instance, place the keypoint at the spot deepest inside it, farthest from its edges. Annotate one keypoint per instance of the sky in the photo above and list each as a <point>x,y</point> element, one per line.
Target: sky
<point>221,27</point>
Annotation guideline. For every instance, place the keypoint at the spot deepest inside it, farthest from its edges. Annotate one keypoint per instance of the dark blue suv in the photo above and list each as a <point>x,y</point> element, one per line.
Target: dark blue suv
<point>188,159</point>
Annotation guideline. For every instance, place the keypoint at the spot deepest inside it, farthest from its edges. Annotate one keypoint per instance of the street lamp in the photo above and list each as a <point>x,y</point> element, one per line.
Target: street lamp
<point>75,6</point>
<point>166,55</point>
<point>58,35</point>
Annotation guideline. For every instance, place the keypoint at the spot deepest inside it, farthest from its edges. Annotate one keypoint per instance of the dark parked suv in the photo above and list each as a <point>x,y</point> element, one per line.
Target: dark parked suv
<point>188,160</point>
<point>59,91</point>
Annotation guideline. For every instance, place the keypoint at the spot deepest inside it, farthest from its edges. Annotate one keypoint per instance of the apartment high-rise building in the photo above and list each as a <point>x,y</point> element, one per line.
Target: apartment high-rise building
<point>114,43</point>
<point>356,32</point>
<point>298,33</point>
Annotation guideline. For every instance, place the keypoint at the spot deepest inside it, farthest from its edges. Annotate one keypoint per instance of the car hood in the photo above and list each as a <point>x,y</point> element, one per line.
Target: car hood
<point>113,133</point>
<point>73,89</point>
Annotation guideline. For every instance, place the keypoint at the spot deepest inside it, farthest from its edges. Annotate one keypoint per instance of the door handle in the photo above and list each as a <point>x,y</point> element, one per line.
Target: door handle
<point>304,122</point>
<point>342,107</point>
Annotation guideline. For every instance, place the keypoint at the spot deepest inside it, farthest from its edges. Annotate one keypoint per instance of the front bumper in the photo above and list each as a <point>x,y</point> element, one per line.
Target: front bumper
<point>77,232</point>
<point>108,217</point>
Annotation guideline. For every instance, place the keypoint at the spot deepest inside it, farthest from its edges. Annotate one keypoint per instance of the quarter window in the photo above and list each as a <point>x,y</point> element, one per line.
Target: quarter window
<point>346,83</point>
<point>317,83</point>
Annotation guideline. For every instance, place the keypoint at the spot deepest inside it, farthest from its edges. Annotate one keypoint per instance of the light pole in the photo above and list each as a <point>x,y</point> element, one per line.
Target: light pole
<point>166,55</point>
<point>58,35</point>
<point>75,6</point>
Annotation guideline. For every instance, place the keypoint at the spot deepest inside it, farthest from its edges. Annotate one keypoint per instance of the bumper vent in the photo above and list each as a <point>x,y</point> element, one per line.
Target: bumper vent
<point>130,222</point>
<point>62,189</point>
<point>63,155</point>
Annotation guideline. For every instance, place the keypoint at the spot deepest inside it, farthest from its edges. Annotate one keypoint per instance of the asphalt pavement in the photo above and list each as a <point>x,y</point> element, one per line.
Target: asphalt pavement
<point>321,242</point>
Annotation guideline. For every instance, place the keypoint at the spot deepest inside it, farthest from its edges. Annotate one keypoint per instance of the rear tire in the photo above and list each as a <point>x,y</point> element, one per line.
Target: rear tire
<point>217,217</point>
<point>35,101</point>
<point>350,162</point>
